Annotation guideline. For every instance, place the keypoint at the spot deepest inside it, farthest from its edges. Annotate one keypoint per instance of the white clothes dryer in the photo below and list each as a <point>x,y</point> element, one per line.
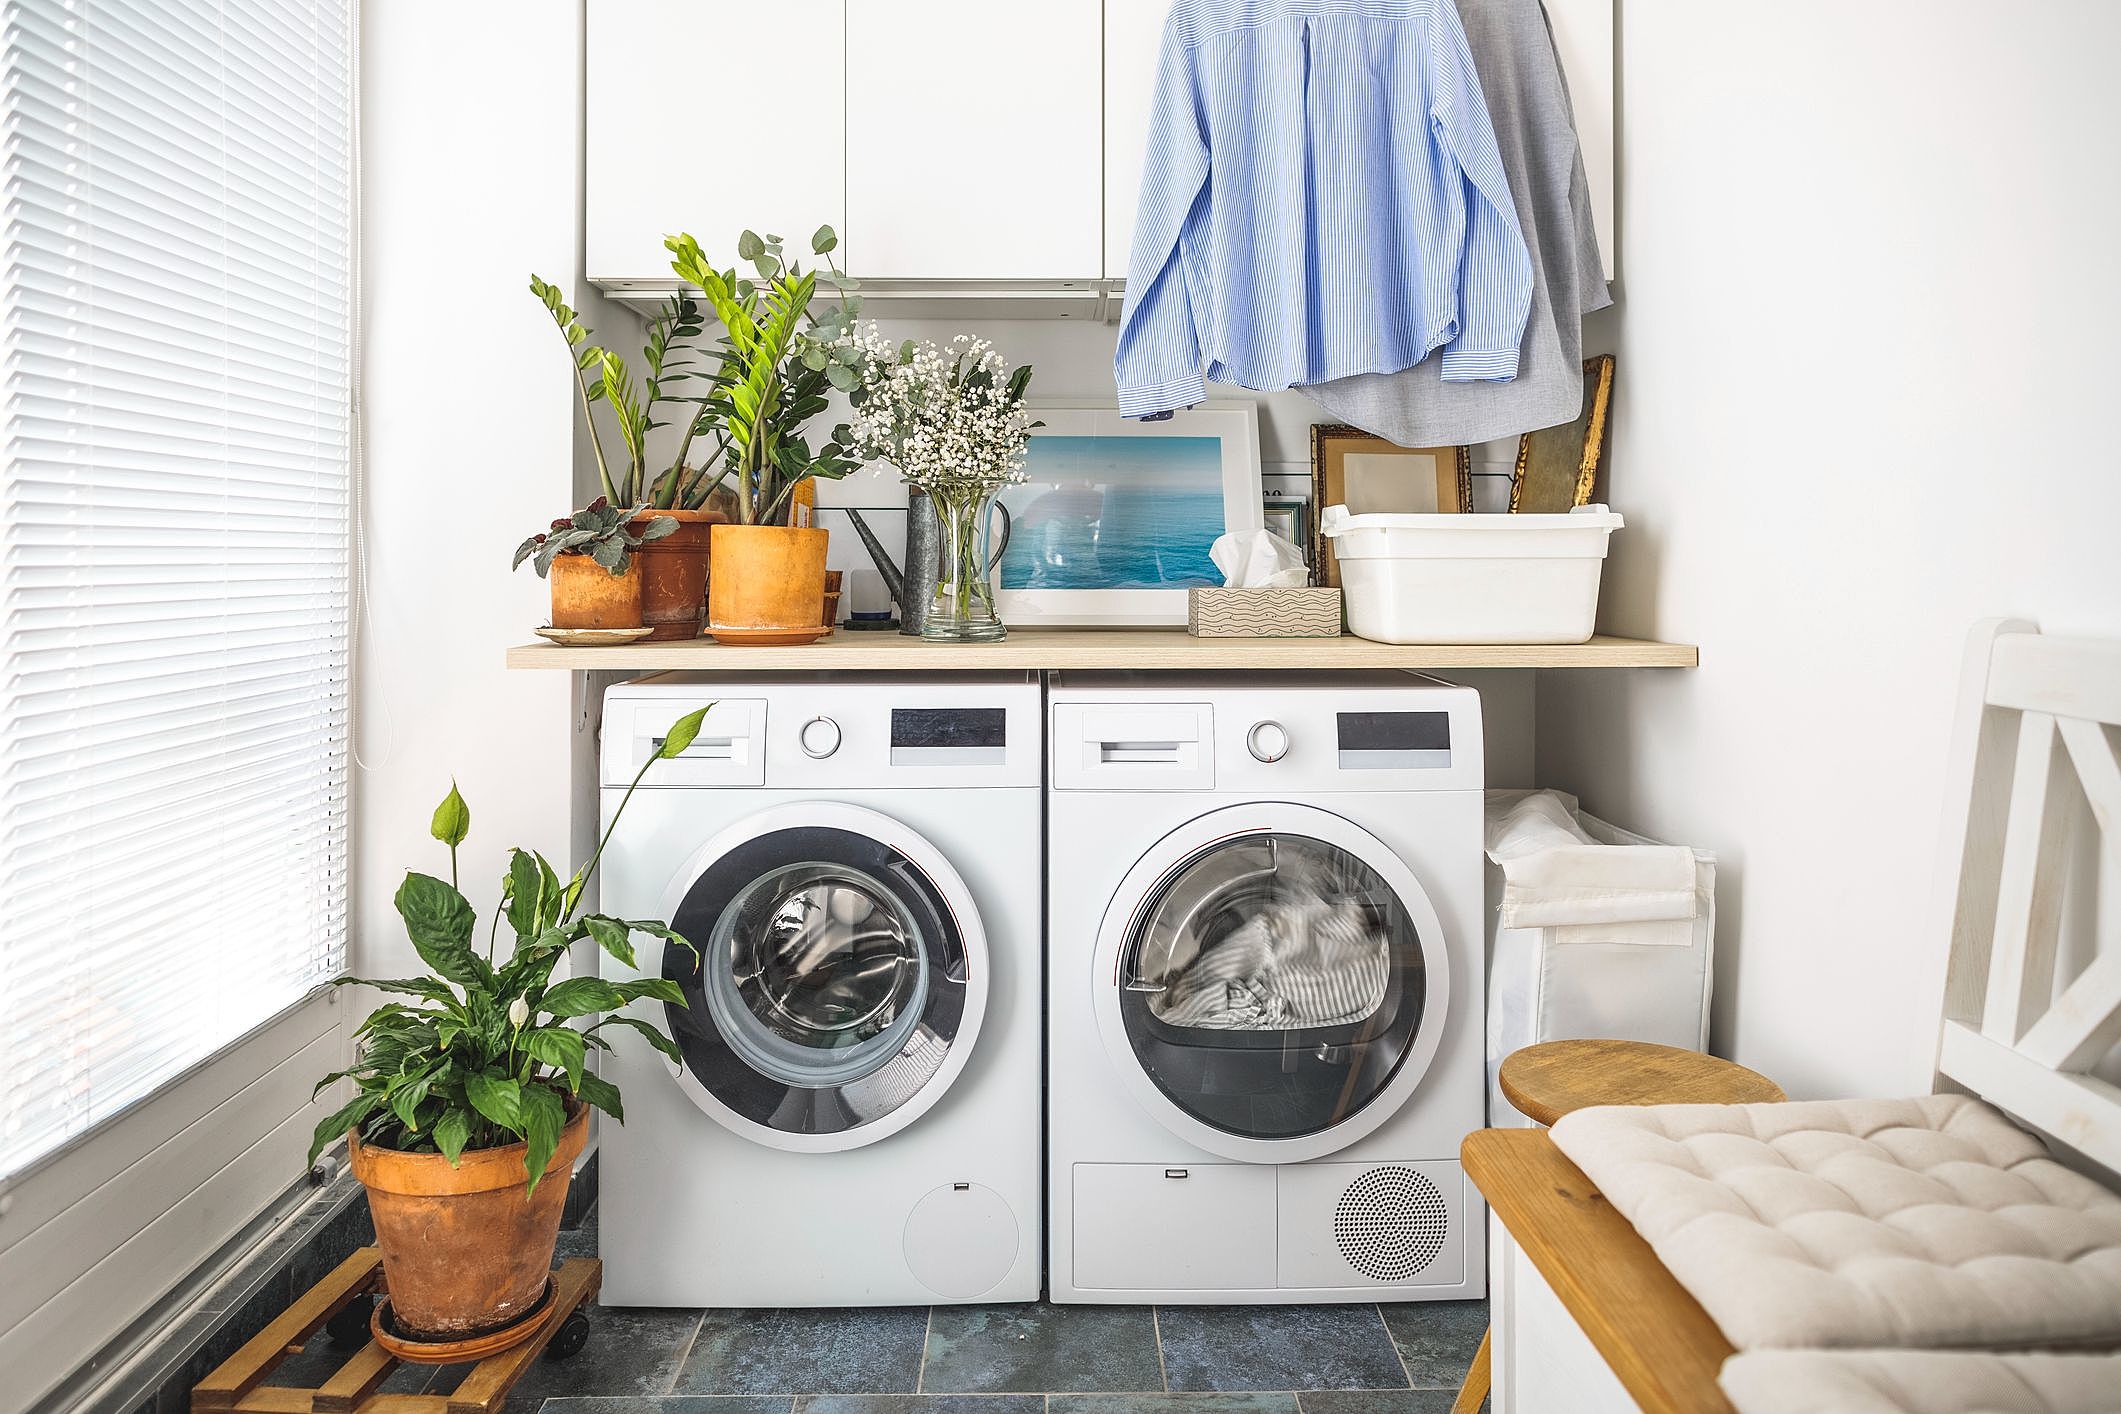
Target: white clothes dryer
<point>1264,953</point>
<point>856,1118</point>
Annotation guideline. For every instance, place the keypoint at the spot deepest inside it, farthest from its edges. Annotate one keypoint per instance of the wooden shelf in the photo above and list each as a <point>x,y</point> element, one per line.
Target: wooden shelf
<point>1040,650</point>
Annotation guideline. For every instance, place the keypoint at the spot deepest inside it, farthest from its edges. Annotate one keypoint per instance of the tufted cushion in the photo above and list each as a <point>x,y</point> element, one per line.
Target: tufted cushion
<point>1920,1382</point>
<point>1886,1223</point>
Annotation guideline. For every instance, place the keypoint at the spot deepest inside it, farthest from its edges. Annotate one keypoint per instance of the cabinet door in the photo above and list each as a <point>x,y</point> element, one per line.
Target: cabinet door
<point>1583,35</point>
<point>973,139</point>
<point>1134,31</point>
<point>714,117</point>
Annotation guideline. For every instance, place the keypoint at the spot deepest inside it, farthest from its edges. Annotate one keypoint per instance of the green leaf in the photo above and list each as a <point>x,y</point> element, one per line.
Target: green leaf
<point>655,1036</point>
<point>660,989</point>
<point>335,1125</point>
<point>598,1091</point>
<point>497,1097</point>
<point>439,922</point>
<point>558,1046</point>
<point>824,241</point>
<point>611,936</point>
<point>451,1132</point>
<point>405,1102</point>
<point>683,732</point>
<point>452,818</point>
<point>544,1116</point>
<point>581,996</point>
<point>749,246</point>
<point>426,987</point>
<point>523,893</point>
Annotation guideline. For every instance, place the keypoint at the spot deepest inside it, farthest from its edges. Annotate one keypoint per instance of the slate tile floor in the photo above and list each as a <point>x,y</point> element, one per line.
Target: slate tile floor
<point>992,1360</point>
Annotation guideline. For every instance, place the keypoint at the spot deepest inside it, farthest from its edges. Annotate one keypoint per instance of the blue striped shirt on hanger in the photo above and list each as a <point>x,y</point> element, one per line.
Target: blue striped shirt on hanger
<point>1322,197</point>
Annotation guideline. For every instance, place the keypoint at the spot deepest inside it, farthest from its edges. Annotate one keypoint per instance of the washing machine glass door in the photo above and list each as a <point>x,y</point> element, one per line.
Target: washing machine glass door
<point>840,980</point>
<point>1272,982</point>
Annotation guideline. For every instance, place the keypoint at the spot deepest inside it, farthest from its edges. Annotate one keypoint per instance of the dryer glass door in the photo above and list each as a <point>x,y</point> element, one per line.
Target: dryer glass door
<point>1273,983</point>
<point>832,983</point>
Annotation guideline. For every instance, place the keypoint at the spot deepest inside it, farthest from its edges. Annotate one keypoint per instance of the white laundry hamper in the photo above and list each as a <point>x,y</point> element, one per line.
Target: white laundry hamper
<point>1595,932</point>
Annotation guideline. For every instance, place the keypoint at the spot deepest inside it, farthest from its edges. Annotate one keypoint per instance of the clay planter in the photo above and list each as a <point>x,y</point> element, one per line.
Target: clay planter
<point>767,578</point>
<point>586,595</point>
<point>674,572</point>
<point>466,1250</point>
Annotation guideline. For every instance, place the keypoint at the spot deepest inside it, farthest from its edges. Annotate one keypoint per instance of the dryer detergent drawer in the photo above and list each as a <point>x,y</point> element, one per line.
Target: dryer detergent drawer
<point>1199,1226</point>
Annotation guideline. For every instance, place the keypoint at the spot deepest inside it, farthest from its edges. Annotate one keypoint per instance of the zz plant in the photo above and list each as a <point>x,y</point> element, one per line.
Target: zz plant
<point>483,1057</point>
<point>779,364</point>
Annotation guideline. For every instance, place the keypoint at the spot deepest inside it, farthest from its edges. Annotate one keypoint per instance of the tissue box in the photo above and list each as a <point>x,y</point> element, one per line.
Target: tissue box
<point>1263,613</point>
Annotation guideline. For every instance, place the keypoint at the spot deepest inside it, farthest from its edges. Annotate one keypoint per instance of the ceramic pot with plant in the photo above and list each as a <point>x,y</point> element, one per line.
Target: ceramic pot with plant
<point>472,1096</point>
<point>673,566</point>
<point>779,364</point>
<point>592,561</point>
<point>952,419</point>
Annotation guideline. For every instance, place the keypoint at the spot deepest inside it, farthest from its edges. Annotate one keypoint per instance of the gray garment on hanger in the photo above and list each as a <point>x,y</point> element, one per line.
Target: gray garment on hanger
<point>1528,99</point>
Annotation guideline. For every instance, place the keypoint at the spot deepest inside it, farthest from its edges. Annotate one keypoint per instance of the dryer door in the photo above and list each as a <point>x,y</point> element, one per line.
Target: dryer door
<point>840,982</point>
<point>1271,982</point>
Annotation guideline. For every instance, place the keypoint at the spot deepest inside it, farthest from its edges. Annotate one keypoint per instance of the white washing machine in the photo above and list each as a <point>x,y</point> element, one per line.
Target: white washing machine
<point>856,1119</point>
<point>1264,988</point>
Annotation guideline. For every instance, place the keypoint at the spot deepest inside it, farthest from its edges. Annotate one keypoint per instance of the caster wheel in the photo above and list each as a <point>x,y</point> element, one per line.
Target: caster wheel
<point>568,1340</point>
<point>348,1327</point>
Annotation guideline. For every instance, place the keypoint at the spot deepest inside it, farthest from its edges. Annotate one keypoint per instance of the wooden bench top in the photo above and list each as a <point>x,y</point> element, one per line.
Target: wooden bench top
<point>1555,1078</point>
<point>1661,1345</point>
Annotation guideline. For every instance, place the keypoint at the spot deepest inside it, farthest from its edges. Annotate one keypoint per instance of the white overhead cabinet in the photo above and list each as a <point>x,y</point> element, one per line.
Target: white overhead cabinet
<point>714,117</point>
<point>1134,33</point>
<point>975,140</point>
<point>976,156</point>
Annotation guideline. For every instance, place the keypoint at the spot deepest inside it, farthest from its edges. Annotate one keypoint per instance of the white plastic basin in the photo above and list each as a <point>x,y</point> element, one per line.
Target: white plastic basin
<point>1471,578</point>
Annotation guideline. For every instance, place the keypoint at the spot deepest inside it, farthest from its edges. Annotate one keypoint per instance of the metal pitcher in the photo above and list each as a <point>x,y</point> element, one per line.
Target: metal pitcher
<point>914,587</point>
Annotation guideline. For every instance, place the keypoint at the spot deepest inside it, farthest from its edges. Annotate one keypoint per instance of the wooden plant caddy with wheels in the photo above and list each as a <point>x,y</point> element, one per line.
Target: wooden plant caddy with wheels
<point>341,1305</point>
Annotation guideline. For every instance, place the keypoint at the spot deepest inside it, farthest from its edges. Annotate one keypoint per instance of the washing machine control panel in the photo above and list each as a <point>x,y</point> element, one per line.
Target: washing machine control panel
<point>1267,741</point>
<point>819,738</point>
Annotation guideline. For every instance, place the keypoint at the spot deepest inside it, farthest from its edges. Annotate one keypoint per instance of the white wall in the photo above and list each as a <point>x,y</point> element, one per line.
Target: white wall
<point>1867,364</point>
<point>472,132</point>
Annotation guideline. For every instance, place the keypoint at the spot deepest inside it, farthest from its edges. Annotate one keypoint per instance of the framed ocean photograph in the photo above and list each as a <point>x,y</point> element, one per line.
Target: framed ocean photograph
<point>1115,518</point>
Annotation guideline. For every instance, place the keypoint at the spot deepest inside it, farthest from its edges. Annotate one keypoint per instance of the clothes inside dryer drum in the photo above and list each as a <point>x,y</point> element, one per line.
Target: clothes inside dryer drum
<point>1303,961</point>
<point>1268,935</point>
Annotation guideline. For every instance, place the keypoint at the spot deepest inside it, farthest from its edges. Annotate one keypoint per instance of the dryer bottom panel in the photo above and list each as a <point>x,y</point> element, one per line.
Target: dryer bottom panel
<point>1230,1233</point>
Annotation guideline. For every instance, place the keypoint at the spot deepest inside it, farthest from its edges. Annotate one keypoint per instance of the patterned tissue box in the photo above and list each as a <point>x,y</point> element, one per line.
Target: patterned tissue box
<point>1263,613</point>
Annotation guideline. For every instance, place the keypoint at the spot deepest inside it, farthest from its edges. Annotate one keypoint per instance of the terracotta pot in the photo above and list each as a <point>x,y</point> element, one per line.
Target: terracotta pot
<point>466,1249</point>
<point>586,595</point>
<point>767,577</point>
<point>674,572</point>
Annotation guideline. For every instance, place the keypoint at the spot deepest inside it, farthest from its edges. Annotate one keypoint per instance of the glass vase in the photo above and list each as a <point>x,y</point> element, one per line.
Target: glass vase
<point>962,608</point>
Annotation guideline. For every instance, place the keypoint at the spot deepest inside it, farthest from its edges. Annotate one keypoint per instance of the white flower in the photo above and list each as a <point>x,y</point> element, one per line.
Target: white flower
<point>518,1013</point>
<point>944,416</point>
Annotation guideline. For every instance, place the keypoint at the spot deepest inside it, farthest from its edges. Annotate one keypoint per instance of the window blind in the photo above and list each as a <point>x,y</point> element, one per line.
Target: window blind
<point>177,210</point>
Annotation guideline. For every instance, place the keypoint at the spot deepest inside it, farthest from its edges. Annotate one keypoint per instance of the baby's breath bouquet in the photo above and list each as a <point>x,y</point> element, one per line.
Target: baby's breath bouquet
<point>952,420</point>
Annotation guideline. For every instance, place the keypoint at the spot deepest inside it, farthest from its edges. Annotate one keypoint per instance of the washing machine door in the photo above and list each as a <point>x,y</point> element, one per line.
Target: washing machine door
<point>1271,982</point>
<point>840,982</point>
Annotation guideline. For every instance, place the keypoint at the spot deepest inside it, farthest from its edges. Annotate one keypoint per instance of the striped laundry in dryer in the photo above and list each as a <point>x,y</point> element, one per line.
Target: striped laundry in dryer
<point>1299,962</point>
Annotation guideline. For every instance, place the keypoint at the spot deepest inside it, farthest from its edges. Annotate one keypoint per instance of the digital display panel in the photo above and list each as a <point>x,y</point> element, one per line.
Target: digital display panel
<point>949,728</point>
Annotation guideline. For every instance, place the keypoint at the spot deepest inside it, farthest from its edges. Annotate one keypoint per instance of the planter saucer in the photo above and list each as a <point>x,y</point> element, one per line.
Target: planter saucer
<point>593,637</point>
<point>767,637</point>
<point>383,1327</point>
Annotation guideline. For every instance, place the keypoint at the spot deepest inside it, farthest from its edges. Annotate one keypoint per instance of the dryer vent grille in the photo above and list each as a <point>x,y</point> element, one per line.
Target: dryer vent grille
<point>1390,1223</point>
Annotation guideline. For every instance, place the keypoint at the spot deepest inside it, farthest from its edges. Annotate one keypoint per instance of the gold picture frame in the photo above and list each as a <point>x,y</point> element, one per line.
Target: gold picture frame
<point>1353,468</point>
<point>1557,467</point>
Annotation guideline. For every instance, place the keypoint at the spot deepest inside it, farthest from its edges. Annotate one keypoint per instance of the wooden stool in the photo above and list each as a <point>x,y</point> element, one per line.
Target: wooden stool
<point>1555,1078</point>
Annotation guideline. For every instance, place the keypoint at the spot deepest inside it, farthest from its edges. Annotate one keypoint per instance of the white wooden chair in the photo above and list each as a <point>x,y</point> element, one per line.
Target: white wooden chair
<point>1585,1316</point>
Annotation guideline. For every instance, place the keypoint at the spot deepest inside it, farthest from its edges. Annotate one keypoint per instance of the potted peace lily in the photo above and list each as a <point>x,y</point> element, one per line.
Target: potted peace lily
<point>779,363</point>
<point>471,1100</point>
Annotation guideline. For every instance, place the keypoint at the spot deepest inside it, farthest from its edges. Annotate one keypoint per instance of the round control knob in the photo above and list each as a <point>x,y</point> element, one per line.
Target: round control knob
<point>1267,741</point>
<point>820,737</point>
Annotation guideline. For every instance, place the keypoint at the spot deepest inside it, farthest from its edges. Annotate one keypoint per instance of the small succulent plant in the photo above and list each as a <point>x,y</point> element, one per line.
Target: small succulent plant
<point>599,531</point>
